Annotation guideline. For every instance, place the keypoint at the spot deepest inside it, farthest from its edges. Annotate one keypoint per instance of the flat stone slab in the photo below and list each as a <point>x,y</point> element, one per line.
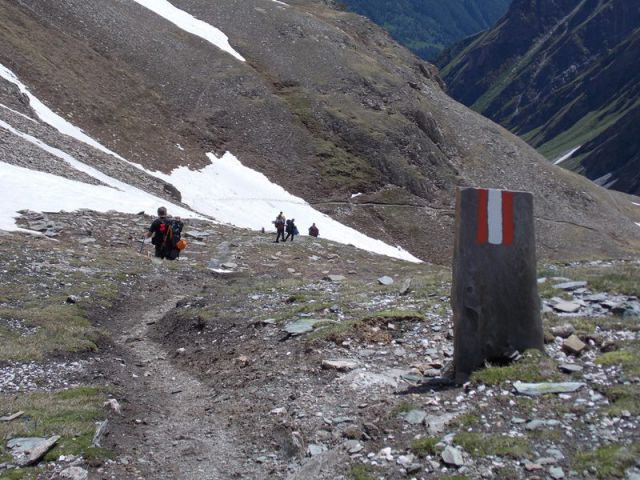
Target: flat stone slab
<point>540,424</point>
<point>563,331</point>
<point>28,451</point>
<point>340,365</point>
<point>570,368</point>
<point>305,325</point>
<point>566,307</point>
<point>569,286</point>
<point>385,280</point>
<point>536,389</point>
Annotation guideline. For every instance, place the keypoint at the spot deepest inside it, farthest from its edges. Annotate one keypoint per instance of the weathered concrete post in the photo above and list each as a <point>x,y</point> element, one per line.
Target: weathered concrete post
<point>496,308</point>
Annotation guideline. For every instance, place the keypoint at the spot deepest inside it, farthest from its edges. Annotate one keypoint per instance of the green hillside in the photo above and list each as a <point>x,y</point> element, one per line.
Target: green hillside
<point>429,26</point>
<point>562,75</point>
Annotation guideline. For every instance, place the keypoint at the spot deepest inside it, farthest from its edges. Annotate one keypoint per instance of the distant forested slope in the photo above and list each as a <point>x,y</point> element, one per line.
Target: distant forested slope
<point>428,26</point>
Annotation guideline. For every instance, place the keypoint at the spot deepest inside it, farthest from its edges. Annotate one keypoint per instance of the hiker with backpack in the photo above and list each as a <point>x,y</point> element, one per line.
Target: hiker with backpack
<point>313,231</point>
<point>291,229</point>
<point>279,223</point>
<point>165,232</point>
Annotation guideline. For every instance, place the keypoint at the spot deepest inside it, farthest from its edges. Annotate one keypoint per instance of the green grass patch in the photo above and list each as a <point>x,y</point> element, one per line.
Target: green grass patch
<point>21,474</point>
<point>58,329</point>
<point>623,398</point>
<point>425,446</point>
<point>363,472</point>
<point>69,413</point>
<point>608,462</point>
<point>628,358</point>
<point>483,444</point>
<point>398,315</point>
<point>467,420</point>
<point>534,366</point>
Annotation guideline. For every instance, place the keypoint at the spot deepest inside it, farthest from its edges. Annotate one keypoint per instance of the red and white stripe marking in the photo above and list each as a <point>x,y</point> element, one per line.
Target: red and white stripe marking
<point>495,217</point>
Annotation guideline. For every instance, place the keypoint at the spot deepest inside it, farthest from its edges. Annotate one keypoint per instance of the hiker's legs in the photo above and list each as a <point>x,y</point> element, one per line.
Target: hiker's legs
<point>159,251</point>
<point>287,237</point>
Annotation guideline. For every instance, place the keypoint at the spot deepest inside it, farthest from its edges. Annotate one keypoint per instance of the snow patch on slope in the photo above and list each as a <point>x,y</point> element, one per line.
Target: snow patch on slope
<point>48,116</point>
<point>43,192</point>
<point>190,24</point>
<point>235,194</point>
<point>566,156</point>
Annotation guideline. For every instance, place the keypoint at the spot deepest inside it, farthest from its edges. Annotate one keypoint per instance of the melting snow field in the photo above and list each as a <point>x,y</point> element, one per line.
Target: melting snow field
<point>225,190</point>
<point>188,23</point>
<point>566,156</point>
<point>232,193</point>
<point>38,191</point>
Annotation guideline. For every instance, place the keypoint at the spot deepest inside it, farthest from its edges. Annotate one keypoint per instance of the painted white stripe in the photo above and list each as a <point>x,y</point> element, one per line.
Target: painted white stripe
<point>18,113</point>
<point>494,213</point>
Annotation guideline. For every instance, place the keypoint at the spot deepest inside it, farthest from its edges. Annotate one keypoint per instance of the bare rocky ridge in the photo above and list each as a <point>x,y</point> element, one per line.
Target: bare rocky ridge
<point>326,106</point>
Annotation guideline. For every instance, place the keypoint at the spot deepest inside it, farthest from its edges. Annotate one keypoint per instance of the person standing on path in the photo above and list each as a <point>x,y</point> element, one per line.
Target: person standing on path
<point>279,223</point>
<point>160,230</point>
<point>291,229</point>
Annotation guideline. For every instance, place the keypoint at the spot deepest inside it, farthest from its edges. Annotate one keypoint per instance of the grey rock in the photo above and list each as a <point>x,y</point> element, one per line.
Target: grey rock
<point>556,473</point>
<point>452,456</point>
<point>569,286</point>
<point>415,417</point>
<point>229,265</point>
<point>405,288</point>
<point>567,307</point>
<point>29,450</point>
<point>315,449</point>
<point>437,424</point>
<point>303,326</point>
<point>563,331</point>
<point>340,365</point>
<point>386,280</point>
<point>406,460</point>
<point>74,473</point>
<point>353,446</point>
<point>535,389</point>
<point>570,368</point>
<point>537,424</point>
<point>573,345</point>
<point>72,299</point>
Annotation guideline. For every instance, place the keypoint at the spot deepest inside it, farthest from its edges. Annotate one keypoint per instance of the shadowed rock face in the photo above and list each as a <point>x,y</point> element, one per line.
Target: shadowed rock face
<point>326,105</point>
<point>561,74</point>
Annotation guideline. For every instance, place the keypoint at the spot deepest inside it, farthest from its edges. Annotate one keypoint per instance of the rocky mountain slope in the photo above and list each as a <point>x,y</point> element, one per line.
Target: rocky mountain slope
<point>428,27</point>
<point>320,101</point>
<point>563,76</point>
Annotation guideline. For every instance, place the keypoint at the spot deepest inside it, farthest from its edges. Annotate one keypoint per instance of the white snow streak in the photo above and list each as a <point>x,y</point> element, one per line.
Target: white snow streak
<point>190,24</point>
<point>23,188</point>
<point>48,116</point>
<point>567,155</point>
<point>638,204</point>
<point>243,197</point>
<point>18,113</point>
<point>281,3</point>
<point>638,223</point>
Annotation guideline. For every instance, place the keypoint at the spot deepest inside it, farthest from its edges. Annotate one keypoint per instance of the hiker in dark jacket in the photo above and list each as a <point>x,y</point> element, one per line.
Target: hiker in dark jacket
<point>291,229</point>
<point>158,232</point>
<point>313,231</point>
<point>279,223</point>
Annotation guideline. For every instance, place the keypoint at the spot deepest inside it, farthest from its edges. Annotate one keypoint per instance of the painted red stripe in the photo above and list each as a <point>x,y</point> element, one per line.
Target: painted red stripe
<point>482,233</point>
<point>507,218</point>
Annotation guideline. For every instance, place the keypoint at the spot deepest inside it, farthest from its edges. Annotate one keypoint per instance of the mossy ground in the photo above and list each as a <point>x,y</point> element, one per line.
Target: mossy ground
<point>69,413</point>
<point>607,462</point>
<point>534,366</point>
<point>483,444</point>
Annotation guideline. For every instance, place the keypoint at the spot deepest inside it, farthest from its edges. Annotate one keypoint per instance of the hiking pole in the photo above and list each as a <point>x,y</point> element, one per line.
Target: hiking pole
<point>141,245</point>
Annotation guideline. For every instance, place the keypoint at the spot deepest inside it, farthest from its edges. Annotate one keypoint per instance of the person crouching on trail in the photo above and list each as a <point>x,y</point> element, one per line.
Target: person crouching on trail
<point>279,223</point>
<point>165,232</point>
<point>313,231</point>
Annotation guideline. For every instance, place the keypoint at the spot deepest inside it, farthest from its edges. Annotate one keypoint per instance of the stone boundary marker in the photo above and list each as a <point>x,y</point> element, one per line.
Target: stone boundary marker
<point>496,307</point>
